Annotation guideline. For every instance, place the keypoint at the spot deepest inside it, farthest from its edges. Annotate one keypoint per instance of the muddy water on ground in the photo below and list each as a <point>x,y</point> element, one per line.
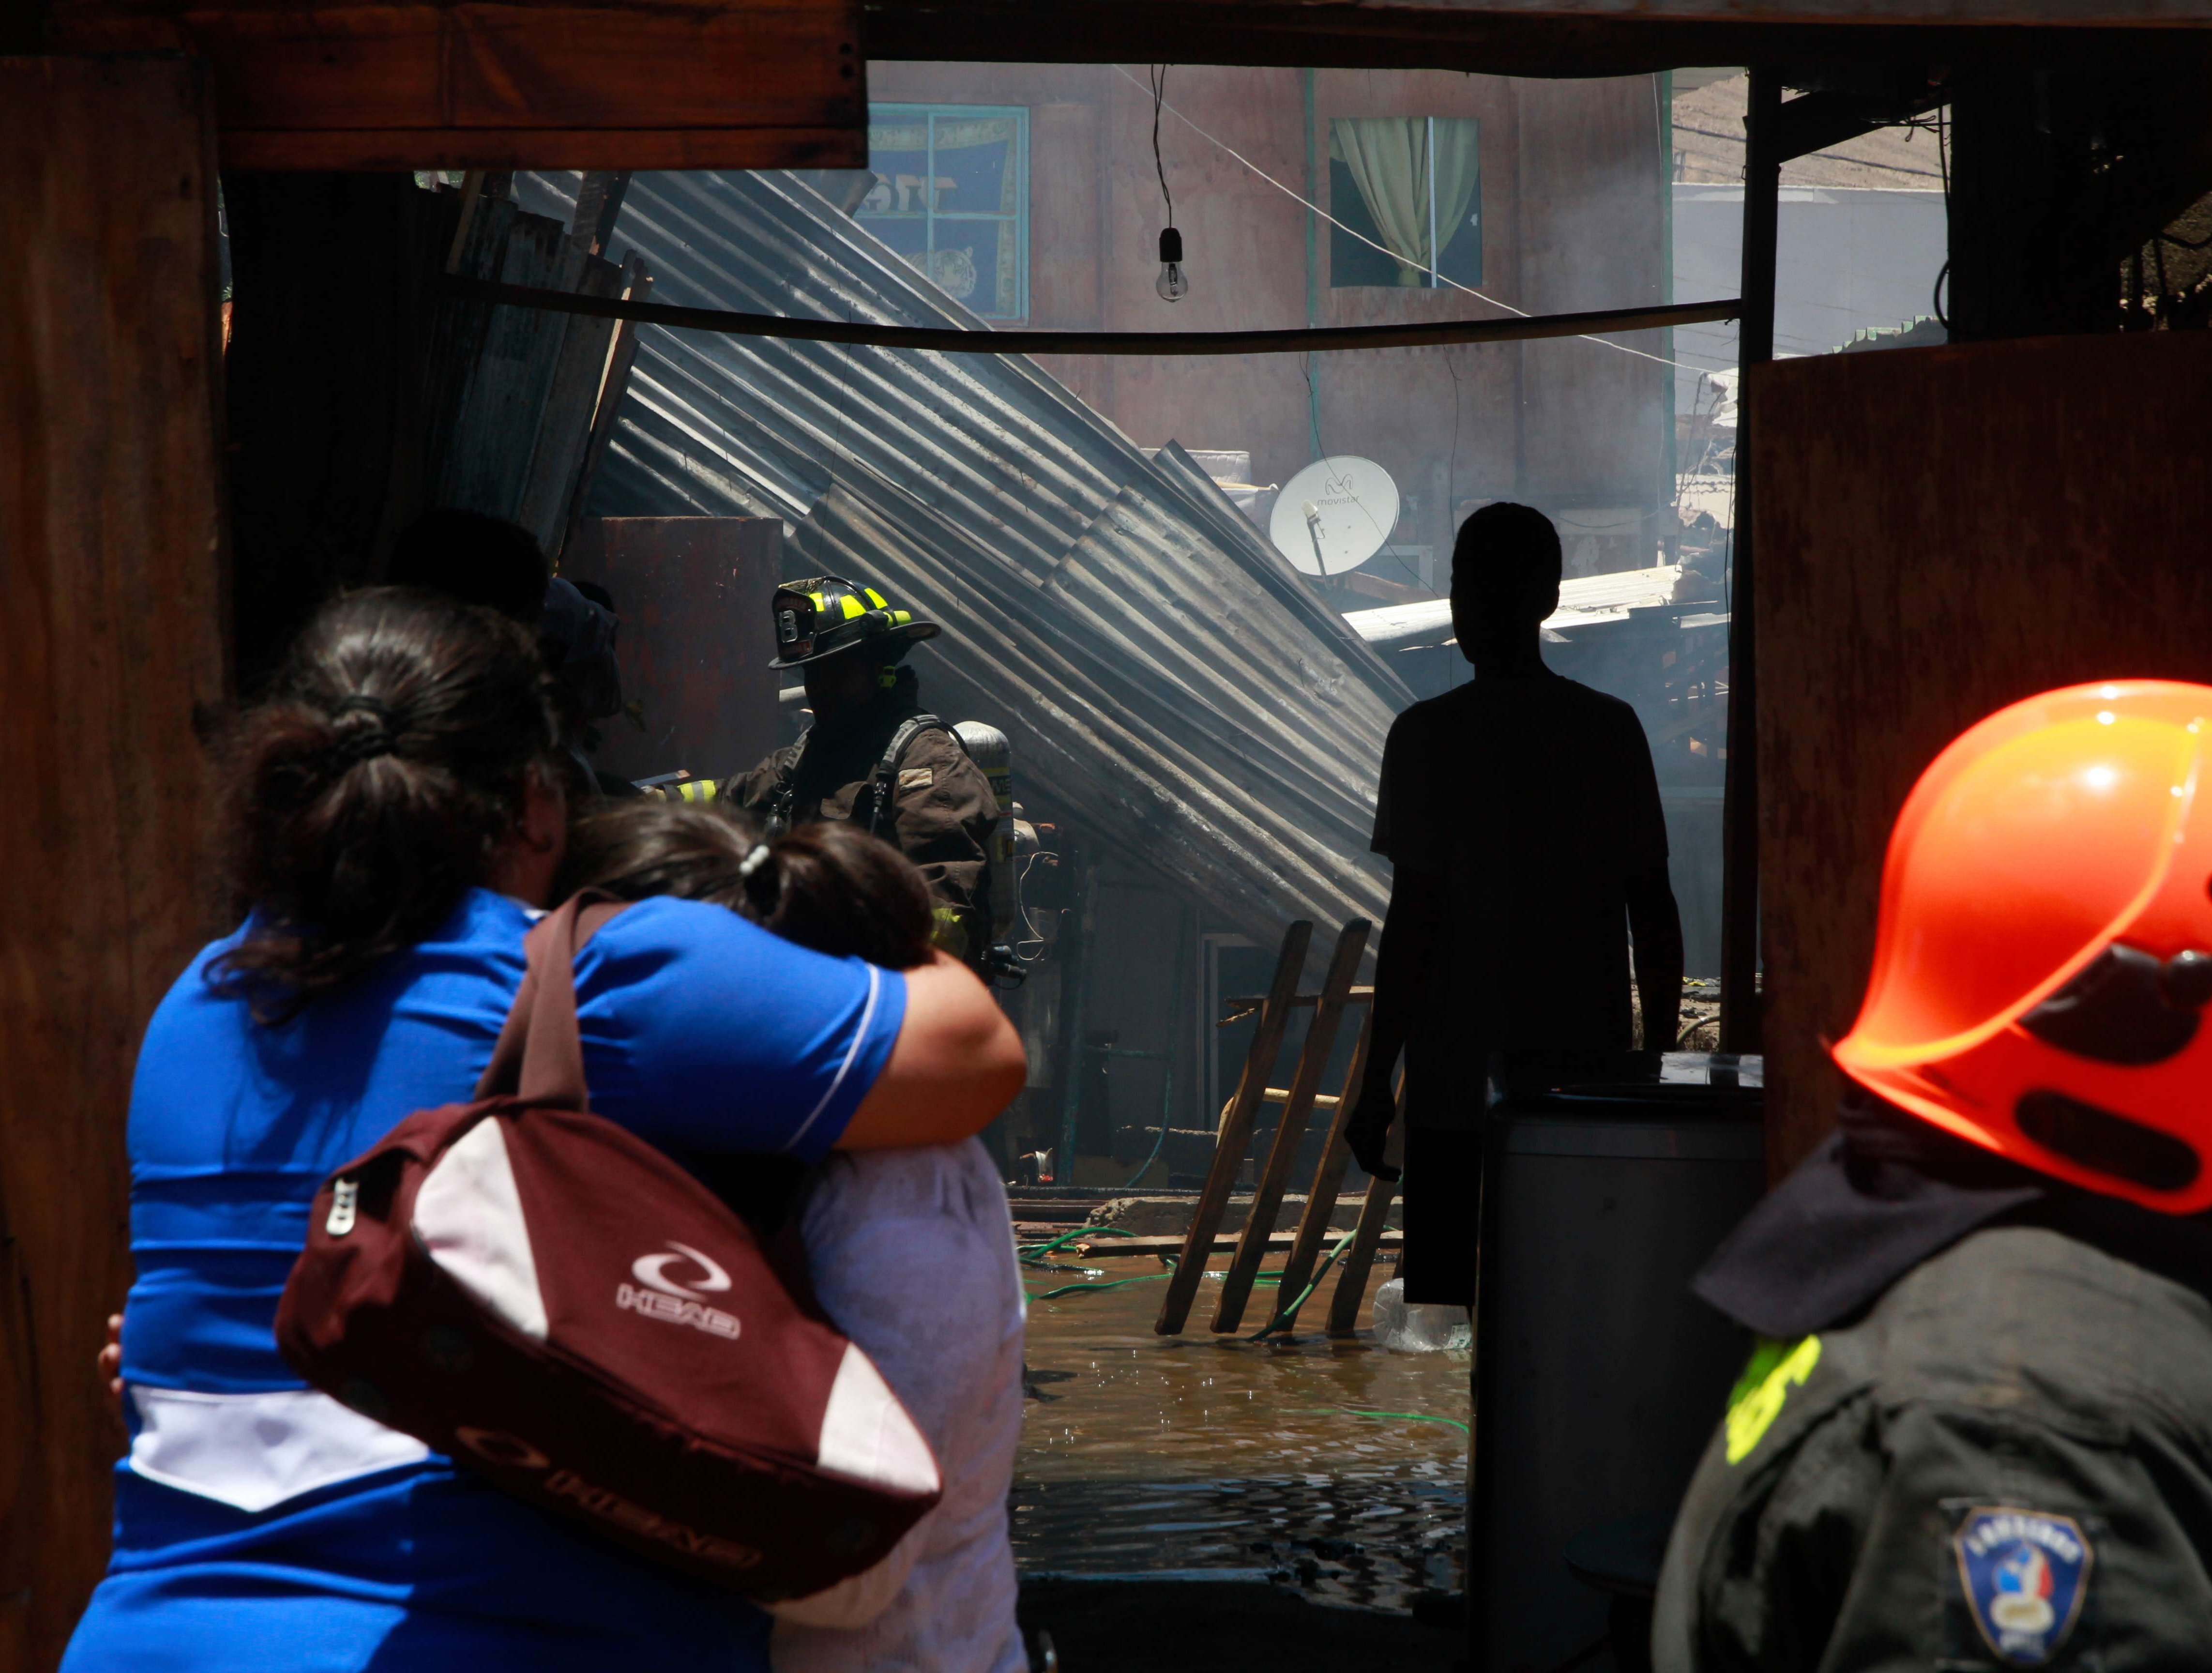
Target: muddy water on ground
<point>1337,1466</point>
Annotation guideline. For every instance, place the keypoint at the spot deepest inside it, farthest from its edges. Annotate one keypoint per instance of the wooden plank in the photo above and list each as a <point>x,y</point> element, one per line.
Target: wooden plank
<point>111,658</point>
<point>2057,538</point>
<point>1236,1009</point>
<point>1328,1178</point>
<point>764,83</point>
<point>572,399</point>
<point>1235,1130</point>
<point>497,368</point>
<point>1267,1194</point>
<point>695,643</point>
<point>622,355</point>
<point>385,150</point>
<point>1359,1259</point>
<point>598,205</point>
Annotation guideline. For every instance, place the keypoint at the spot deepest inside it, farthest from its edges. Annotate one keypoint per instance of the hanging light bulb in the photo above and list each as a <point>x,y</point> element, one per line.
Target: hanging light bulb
<point>1173,284</point>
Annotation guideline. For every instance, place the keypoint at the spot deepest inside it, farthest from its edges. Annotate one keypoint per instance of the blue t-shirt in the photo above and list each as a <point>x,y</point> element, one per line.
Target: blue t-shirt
<point>258,1524</point>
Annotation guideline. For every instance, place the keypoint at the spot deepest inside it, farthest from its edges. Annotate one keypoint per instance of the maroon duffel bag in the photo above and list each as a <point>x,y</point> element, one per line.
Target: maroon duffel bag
<point>548,1300</point>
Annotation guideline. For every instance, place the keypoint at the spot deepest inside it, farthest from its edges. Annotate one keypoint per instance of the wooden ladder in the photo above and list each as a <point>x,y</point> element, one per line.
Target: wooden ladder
<point>1337,994</point>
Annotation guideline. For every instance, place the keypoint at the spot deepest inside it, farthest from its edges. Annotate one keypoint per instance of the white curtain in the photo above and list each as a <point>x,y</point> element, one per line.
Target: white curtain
<point>1391,162</point>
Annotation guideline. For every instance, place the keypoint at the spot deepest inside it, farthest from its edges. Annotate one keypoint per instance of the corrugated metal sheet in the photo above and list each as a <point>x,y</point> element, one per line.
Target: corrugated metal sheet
<point>1170,684</point>
<point>1584,600</point>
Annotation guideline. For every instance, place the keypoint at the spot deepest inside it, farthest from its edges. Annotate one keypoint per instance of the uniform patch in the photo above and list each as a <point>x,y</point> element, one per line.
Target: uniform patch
<point>2025,1574</point>
<point>916,778</point>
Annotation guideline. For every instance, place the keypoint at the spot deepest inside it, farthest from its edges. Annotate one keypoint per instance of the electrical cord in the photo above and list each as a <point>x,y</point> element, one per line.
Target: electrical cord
<point>1158,74</point>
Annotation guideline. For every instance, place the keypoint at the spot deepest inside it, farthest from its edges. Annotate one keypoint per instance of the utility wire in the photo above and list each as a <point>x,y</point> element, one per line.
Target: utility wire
<point>1160,104</point>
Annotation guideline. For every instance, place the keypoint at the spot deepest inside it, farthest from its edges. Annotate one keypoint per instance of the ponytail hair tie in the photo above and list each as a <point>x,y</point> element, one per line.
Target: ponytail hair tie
<point>363,743</point>
<point>753,861</point>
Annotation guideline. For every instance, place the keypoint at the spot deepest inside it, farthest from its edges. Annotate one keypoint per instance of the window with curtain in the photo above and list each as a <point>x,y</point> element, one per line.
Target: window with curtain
<point>952,196</point>
<point>1413,186</point>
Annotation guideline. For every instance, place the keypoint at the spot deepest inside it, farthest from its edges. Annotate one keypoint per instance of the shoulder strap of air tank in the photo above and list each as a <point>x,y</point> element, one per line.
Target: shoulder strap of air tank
<point>880,781</point>
<point>783,797</point>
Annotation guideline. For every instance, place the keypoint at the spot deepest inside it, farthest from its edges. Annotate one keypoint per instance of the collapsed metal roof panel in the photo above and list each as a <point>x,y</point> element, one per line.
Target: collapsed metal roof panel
<point>1170,682</point>
<point>1582,600</point>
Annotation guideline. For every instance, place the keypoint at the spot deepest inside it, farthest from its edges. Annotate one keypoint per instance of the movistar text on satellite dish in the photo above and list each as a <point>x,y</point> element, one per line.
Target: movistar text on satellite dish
<point>1334,514</point>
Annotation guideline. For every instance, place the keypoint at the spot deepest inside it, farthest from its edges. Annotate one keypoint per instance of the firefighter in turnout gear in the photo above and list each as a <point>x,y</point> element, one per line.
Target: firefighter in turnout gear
<point>1977,1430</point>
<point>874,755</point>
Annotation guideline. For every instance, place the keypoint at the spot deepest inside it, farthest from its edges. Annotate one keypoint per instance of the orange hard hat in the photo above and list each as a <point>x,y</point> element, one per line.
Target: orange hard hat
<point>2044,956</point>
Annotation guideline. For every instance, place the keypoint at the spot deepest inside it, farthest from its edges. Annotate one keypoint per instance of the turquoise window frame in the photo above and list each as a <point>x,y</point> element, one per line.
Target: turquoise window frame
<point>931,215</point>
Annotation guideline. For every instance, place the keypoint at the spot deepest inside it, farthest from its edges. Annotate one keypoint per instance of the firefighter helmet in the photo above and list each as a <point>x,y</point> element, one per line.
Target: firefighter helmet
<point>2042,957</point>
<point>828,616</point>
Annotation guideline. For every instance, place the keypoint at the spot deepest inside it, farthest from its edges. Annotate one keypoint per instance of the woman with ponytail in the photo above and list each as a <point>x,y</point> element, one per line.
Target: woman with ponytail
<point>397,824</point>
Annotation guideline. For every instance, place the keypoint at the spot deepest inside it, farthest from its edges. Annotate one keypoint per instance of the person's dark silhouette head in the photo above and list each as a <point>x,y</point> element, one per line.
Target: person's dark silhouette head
<point>477,559</point>
<point>1504,581</point>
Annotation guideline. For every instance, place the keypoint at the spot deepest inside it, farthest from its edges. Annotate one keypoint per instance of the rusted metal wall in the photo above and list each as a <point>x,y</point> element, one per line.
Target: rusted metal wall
<point>693,593</point>
<point>1941,531</point>
<point>112,660</point>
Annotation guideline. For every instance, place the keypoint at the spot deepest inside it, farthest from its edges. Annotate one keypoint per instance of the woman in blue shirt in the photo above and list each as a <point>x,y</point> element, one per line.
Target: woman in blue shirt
<point>397,825</point>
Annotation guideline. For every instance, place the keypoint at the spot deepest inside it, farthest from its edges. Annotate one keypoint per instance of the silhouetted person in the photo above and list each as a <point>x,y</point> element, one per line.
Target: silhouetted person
<point>1521,815</point>
<point>488,561</point>
<point>475,558</point>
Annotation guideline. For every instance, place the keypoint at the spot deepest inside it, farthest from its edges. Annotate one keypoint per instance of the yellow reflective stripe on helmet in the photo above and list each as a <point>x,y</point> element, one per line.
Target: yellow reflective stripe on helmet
<point>874,597</point>
<point>851,607</point>
<point>1776,1367</point>
<point>819,603</point>
<point>901,617</point>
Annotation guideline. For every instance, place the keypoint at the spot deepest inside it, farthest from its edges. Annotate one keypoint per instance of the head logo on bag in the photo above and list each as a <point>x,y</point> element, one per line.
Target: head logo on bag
<point>653,1270</point>
<point>656,1295</point>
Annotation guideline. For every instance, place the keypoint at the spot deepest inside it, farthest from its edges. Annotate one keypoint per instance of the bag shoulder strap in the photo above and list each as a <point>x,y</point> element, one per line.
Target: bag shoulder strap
<point>540,1055</point>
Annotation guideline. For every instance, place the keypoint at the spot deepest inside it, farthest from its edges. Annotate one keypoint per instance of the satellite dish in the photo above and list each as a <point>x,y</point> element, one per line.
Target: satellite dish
<point>1334,514</point>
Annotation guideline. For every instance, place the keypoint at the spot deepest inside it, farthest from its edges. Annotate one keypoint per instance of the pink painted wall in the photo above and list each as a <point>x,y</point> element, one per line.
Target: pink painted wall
<point>1572,216</point>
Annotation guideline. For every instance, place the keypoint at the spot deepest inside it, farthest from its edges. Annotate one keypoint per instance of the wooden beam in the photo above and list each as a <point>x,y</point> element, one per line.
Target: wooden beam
<point>112,660</point>
<point>1814,121</point>
<point>420,84</point>
<point>1740,1028</point>
<point>1542,38</point>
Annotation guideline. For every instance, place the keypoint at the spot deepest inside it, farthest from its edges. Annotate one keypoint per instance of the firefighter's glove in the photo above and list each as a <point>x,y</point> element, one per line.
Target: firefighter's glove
<point>1368,1131</point>
<point>949,931</point>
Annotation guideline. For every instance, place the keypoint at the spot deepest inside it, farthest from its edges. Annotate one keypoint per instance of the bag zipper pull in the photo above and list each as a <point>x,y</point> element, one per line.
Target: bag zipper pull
<point>345,1197</point>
